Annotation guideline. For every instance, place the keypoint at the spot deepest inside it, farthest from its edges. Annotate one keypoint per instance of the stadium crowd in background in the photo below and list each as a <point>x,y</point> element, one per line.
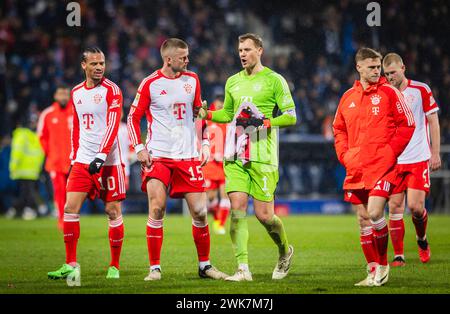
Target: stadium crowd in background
<point>311,44</point>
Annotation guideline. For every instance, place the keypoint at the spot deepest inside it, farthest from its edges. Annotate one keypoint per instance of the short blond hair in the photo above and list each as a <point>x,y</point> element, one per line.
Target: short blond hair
<point>172,43</point>
<point>257,40</point>
<point>392,58</point>
<point>367,53</point>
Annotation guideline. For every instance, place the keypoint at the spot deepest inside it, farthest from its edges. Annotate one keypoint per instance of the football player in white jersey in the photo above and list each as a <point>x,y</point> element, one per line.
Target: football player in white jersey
<point>170,98</point>
<point>97,169</point>
<point>416,161</point>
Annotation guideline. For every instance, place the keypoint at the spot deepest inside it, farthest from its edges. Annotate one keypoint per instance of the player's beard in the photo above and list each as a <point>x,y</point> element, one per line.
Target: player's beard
<point>182,68</point>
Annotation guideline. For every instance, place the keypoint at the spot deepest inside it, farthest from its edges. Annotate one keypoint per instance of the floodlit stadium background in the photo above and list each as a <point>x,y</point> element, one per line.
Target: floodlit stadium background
<point>312,44</point>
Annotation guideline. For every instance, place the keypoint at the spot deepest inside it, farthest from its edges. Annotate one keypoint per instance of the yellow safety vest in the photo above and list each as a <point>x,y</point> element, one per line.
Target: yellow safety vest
<point>27,155</point>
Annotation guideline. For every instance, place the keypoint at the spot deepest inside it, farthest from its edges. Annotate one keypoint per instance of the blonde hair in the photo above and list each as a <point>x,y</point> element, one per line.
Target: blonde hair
<point>172,43</point>
<point>367,53</point>
<point>392,58</point>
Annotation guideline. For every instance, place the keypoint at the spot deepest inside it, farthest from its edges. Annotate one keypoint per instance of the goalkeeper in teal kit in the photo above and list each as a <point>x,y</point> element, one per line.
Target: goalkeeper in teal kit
<point>251,151</point>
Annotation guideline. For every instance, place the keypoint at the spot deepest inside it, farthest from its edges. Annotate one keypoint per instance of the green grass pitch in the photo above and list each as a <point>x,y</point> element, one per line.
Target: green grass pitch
<point>328,258</point>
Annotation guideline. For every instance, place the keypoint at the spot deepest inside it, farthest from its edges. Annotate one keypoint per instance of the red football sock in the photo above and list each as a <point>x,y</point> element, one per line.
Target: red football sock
<point>397,232</point>
<point>213,207</point>
<point>224,211</point>
<point>200,232</point>
<point>155,234</point>
<point>381,238</point>
<point>421,224</point>
<point>115,240</point>
<point>71,234</point>
<point>367,245</point>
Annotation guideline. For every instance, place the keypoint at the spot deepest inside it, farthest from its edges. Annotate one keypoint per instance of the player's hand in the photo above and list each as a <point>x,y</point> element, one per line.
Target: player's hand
<point>202,112</point>
<point>205,155</point>
<point>95,165</point>
<point>435,162</point>
<point>145,158</point>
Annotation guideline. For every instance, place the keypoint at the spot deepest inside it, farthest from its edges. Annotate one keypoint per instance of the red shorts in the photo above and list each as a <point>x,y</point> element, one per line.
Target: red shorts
<point>179,176</point>
<point>211,185</point>
<point>361,196</point>
<point>214,175</point>
<point>108,184</point>
<point>414,176</point>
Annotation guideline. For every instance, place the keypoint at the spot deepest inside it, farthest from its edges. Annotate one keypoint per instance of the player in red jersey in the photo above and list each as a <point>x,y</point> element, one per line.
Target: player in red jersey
<point>54,129</point>
<point>170,99</point>
<point>414,164</point>
<point>372,127</point>
<point>97,169</point>
<point>218,201</point>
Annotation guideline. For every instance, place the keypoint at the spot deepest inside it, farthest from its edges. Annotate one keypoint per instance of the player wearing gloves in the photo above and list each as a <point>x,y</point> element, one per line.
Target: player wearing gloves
<point>97,169</point>
<point>251,160</point>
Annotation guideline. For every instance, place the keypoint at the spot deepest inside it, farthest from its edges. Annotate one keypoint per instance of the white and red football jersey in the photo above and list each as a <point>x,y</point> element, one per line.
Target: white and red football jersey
<point>96,119</point>
<point>125,145</point>
<point>420,99</point>
<point>168,105</point>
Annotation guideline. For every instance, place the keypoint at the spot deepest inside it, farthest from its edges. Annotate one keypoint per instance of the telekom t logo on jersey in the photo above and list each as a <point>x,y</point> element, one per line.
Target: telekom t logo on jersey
<point>88,120</point>
<point>179,110</point>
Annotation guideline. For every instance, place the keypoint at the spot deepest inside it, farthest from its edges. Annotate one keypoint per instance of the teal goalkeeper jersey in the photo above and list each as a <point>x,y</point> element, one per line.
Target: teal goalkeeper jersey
<point>266,90</point>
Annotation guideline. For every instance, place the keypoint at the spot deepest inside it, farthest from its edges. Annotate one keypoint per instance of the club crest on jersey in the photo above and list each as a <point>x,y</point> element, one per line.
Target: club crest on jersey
<point>257,87</point>
<point>375,99</point>
<point>409,99</point>
<point>188,88</point>
<point>97,98</point>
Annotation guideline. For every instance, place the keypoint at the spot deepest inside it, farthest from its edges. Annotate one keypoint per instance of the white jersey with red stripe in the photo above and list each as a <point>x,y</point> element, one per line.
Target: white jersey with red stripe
<point>96,119</point>
<point>168,105</point>
<point>420,99</point>
<point>124,141</point>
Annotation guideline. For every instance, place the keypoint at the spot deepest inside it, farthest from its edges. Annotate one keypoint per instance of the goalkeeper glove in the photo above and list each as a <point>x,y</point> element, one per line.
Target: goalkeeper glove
<point>247,119</point>
<point>95,165</point>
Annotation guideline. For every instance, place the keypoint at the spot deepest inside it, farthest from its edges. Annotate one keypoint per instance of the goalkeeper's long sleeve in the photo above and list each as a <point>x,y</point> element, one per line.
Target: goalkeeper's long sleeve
<point>283,120</point>
<point>222,116</point>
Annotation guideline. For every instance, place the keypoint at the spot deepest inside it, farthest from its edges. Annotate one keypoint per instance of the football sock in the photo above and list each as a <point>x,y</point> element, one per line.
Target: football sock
<point>381,238</point>
<point>200,232</point>
<point>116,231</point>
<point>397,233</point>
<point>368,245</point>
<point>276,230</point>
<point>154,240</point>
<point>71,230</point>
<point>239,235</point>
<point>420,223</point>
<point>224,210</point>
<point>213,207</point>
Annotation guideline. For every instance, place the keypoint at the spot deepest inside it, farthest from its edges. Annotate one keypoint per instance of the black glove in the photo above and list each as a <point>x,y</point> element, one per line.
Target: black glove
<point>95,165</point>
<point>252,121</point>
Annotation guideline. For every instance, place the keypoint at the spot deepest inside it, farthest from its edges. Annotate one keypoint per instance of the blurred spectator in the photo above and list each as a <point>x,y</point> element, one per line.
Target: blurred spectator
<point>312,44</point>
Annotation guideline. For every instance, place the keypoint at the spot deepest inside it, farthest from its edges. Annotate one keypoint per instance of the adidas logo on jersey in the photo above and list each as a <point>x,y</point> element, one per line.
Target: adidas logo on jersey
<point>115,194</point>
<point>163,92</point>
<point>79,102</point>
<point>352,105</point>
